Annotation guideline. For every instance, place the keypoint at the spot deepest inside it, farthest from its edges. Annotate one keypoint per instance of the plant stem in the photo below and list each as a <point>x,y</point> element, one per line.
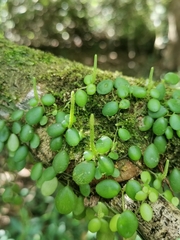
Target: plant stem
<point>91,123</point>
<point>95,69</point>
<point>151,78</point>
<point>71,117</point>
<point>165,172</point>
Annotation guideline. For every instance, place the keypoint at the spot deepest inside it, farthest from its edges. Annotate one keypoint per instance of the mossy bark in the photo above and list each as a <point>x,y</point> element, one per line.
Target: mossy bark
<point>20,64</point>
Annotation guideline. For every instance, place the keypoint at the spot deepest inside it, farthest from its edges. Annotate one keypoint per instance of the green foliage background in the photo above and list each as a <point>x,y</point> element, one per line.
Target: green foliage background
<point>79,29</point>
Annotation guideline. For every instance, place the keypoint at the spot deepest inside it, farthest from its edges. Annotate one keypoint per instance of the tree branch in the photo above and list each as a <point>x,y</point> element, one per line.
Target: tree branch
<point>20,64</point>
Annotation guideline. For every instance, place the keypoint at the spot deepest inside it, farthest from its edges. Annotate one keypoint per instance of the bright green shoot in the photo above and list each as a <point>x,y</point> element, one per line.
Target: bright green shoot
<point>165,172</point>
<point>151,78</point>
<point>94,69</point>
<point>92,146</point>
<point>71,117</point>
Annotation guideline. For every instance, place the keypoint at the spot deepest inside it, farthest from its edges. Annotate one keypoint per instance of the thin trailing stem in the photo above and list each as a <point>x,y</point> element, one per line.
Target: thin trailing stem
<point>123,200</point>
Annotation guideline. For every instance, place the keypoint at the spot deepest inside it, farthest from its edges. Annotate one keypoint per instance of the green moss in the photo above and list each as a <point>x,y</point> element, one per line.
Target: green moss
<point>60,76</point>
<point>19,64</point>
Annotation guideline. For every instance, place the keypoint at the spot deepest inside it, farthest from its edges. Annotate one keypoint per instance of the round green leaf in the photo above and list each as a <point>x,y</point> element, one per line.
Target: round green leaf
<point>72,137</point>
<point>151,156</point>
<point>171,78</point>
<point>146,212</point>
<point>34,115</point>
<point>81,98</point>
<point>174,105</point>
<point>65,200</point>
<point>48,99</point>
<point>110,108</point>
<point>174,179</point>
<point>105,86</point>
<point>84,172</point>
<point>127,224</point>
<point>108,188</point>
<point>103,144</point>
<point>174,121</point>
<point>61,161</point>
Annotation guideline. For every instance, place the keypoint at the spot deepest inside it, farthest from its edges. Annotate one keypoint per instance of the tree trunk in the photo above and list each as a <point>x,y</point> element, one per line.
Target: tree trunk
<point>172,51</point>
<point>20,64</point>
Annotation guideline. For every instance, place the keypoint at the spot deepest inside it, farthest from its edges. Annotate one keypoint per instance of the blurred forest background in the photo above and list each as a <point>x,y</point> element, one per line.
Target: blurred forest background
<point>129,36</point>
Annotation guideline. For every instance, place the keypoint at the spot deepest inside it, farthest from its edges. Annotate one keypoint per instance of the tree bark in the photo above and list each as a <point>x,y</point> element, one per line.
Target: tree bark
<point>20,64</point>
